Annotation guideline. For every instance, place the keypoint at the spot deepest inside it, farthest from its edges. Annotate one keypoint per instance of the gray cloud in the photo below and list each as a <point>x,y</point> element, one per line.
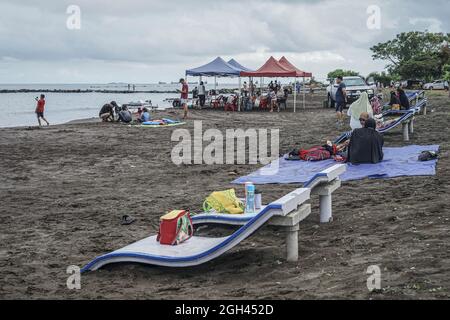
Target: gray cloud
<point>125,40</point>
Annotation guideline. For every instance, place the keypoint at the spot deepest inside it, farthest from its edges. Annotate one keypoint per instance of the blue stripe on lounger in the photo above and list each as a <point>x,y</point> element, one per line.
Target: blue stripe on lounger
<point>227,241</point>
<point>402,119</point>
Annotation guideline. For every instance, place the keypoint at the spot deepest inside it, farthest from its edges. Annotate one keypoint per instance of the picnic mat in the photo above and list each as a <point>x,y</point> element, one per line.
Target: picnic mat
<point>397,162</point>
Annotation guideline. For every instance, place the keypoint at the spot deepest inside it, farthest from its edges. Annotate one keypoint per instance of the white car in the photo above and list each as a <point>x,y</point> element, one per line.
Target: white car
<point>354,87</point>
<point>436,85</point>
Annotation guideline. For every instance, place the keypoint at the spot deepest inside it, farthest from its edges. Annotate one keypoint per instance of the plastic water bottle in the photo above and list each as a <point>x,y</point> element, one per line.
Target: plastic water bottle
<point>250,199</point>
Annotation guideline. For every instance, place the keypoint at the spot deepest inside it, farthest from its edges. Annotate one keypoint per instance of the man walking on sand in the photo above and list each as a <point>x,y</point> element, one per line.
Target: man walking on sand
<point>40,110</point>
<point>184,97</point>
<point>341,99</point>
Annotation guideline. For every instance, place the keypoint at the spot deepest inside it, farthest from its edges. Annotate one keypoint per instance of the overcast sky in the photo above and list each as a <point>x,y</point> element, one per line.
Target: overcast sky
<point>146,41</point>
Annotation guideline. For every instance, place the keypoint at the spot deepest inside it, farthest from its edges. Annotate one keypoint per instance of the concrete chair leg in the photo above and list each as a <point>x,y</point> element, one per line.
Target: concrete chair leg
<point>411,126</point>
<point>424,110</point>
<point>326,208</point>
<point>292,243</point>
<point>405,131</point>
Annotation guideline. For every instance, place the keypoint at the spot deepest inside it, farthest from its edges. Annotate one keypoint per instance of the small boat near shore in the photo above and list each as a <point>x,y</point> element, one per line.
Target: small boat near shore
<point>140,104</point>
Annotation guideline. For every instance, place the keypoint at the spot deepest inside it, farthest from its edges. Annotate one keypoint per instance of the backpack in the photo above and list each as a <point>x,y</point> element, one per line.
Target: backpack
<point>315,154</point>
<point>427,156</point>
<point>175,228</point>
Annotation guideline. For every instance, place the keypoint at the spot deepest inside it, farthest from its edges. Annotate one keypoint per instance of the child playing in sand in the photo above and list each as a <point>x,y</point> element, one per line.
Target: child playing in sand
<point>40,110</point>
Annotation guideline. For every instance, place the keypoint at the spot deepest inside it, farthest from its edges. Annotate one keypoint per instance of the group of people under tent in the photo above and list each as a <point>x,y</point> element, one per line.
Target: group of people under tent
<point>112,112</point>
<point>275,97</point>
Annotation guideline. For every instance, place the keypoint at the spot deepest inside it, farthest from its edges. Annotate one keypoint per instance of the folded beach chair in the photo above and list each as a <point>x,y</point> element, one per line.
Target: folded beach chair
<point>323,183</point>
<point>198,250</point>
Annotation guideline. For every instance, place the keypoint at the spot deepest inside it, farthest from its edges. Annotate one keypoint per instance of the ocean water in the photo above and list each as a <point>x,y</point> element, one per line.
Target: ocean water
<point>17,109</point>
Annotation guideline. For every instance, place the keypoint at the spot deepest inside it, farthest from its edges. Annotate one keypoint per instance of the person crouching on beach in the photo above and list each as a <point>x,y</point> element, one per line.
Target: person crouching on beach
<point>184,97</point>
<point>117,109</point>
<point>125,115</point>
<point>107,113</point>
<point>40,110</point>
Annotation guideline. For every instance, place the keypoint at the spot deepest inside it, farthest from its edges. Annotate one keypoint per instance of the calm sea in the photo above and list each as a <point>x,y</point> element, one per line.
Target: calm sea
<point>17,109</point>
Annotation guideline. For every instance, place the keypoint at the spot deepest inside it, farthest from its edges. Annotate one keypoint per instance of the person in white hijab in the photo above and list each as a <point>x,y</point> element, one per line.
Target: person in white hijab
<point>357,108</point>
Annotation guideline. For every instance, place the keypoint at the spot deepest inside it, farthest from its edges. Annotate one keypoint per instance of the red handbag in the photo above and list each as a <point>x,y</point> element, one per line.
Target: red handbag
<point>175,227</point>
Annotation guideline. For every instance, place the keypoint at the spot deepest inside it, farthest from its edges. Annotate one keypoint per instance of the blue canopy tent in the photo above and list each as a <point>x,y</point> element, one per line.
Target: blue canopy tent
<point>237,65</point>
<point>219,68</point>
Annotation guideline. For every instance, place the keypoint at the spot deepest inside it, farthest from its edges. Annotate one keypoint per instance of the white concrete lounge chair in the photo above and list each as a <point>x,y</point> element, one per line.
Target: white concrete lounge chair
<point>406,120</point>
<point>198,250</point>
<point>323,184</point>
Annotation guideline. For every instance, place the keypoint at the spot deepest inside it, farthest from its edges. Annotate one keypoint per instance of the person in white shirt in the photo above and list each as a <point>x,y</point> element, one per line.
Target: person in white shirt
<point>202,94</point>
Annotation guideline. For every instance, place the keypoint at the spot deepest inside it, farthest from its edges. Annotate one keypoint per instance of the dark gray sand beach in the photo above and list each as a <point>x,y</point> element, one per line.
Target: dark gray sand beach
<point>64,189</point>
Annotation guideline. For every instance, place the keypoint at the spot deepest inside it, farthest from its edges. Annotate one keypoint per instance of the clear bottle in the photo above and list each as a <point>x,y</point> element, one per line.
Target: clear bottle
<point>250,199</point>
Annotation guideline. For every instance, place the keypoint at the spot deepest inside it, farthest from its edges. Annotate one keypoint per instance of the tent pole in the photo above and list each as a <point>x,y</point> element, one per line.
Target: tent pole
<point>295,94</point>
<point>239,95</point>
<point>304,94</point>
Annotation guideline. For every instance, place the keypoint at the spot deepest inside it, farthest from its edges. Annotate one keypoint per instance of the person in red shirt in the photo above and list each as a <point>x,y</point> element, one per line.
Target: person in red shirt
<point>40,110</point>
<point>184,97</point>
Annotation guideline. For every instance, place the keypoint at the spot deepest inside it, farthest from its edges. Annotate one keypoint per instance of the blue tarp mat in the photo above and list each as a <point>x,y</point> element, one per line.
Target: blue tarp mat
<point>397,162</point>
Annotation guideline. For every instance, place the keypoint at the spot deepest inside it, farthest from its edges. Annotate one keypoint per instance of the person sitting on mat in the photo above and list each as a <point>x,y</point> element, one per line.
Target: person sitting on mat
<point>125,115</point>
<point>139,112</point>
<point>145,117</point>
<point>107,113</point>
<point>366,145</point>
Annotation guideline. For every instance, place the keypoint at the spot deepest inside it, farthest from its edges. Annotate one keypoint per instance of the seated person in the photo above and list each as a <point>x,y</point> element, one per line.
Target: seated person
<point>107,113</point>
<point>403,99</point>
<point>394,101</point>
<point>366,145</point>
<point>145,117</point>
<point>125,115</point>
<point>363,118</point>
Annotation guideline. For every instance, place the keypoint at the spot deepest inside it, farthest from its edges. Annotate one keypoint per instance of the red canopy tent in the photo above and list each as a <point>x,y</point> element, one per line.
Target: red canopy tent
<point>275,69</point>
<point>287,65</point>
<point>299,73</point>
<point>272,68</point>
